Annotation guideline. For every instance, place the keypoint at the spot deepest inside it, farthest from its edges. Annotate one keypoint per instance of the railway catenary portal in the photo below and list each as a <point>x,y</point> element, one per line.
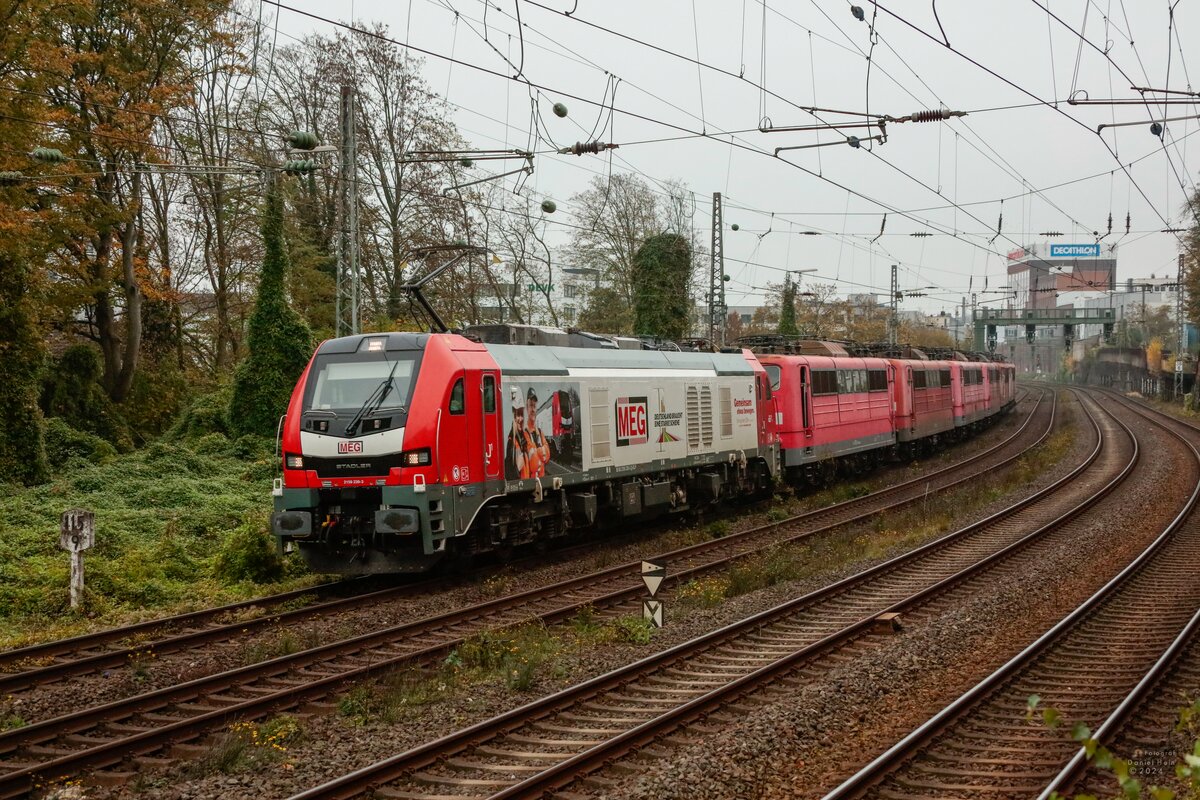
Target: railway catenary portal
<point>179,713</point>
<point>553,742</point>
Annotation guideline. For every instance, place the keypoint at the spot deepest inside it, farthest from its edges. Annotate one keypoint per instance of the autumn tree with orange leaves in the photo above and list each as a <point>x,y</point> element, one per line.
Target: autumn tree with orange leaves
<point>110,70</point>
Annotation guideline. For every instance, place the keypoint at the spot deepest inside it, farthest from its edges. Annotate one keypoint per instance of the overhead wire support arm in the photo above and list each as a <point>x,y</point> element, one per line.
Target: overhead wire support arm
<point>1102,126</point>
<point>853,141</point>
<point>879,121</point>
<point>527,169</point>
<point>1128,101</point>
<point>462,156</point>
<point>1145,89</point>
<point>823,126</point>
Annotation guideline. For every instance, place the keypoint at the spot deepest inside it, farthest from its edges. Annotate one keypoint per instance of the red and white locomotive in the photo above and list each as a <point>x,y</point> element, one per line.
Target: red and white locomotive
<point>402,448</point>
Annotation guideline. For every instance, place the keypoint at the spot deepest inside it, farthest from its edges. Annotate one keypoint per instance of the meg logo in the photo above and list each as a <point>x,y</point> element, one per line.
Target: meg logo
<point>349,447</point>
<point>632,421</point>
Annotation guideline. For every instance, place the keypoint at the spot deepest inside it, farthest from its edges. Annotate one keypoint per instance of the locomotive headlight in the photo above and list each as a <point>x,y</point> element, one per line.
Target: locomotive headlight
<point>416,458</point>
<point>294,461</point>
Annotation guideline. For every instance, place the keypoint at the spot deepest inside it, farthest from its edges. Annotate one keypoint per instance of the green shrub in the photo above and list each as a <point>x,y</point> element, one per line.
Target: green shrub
<point>279,340</point>
<point>703,592</point>
<point>207,414</point>
<point>160,389</point>
<point>634,630</point>
<point>513,654</point>
<point>72,391</point>
<point>63,442</point>
<point>718,529</point>
<point>248,554</point>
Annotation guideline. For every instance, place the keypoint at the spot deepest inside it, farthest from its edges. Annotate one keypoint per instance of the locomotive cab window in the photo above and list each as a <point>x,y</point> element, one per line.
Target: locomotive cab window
<point>374,382</point>
<point>457,406</point>
<point>877,380</point>
<point>774,371</point>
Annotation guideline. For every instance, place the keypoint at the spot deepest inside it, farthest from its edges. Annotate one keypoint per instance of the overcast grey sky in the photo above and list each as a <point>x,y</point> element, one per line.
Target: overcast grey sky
<point>814,52</point>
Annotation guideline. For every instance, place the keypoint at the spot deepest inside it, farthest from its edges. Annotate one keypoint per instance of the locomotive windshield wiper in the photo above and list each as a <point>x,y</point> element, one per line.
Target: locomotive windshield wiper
<point>373,402</point>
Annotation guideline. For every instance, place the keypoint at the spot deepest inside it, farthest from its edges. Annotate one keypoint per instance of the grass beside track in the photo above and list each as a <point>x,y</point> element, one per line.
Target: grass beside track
<point>170,519</point>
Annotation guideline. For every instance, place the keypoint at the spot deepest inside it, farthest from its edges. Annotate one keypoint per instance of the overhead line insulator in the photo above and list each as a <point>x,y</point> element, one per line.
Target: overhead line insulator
<point>930,115</point>
<point>580,148</point>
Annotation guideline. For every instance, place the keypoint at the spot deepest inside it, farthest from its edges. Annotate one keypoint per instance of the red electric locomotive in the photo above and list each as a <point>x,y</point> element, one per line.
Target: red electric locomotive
<point>834,409</point>
<point>844,413</point>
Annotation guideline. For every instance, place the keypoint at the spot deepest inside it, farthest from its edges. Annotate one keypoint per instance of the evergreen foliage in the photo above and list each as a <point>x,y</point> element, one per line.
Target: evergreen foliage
<point>73,392</point>
<point>279,341</point>
<point>661,303</point>
<point>22,456</point>
<point>64,443</point>
<point>248,554</point>
<point>208,414</point>
<point>787,309</point>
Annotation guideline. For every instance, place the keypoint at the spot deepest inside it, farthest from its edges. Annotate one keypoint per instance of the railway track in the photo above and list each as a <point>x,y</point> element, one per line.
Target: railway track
<point>54,661</point>
<point>549,744</point>
<point>1140,729</point>
<point>1093,667</point>
<point>105,735</point>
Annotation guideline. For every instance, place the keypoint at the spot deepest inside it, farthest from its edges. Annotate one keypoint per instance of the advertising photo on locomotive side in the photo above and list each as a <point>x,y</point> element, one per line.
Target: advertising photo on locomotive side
<point>402,448</point>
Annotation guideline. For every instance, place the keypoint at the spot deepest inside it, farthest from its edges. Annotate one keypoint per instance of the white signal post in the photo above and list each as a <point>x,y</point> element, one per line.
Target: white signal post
<point>78,533</point>
<point>653,574</point>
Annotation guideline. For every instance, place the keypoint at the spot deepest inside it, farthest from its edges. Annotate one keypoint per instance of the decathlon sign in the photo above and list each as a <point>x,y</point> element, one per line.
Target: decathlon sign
<point>1075,250</point>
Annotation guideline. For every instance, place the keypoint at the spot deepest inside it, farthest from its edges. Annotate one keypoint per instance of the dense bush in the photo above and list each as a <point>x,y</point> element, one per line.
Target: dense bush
<point>165,516</point>
<point>72,392</point>
<point>22,458</point>
<point>207,414</point>
<point>248,554</point>
<point>279,340</point>
<point>64,443</point>
<point>160,389</point>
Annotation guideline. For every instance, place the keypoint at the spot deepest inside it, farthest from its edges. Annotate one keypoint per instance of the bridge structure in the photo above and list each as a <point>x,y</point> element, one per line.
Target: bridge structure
<point>987,320</point>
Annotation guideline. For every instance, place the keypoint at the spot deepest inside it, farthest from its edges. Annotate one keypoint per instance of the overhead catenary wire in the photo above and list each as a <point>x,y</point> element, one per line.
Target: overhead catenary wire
<point>1031,94</point>
<point>485,70</point>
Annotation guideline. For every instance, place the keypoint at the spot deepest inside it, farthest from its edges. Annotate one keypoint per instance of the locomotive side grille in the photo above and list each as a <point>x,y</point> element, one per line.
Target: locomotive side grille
<point>699,417</point>
<point>601,443</point>
<point>693,417</point>
<point>706,417</point>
